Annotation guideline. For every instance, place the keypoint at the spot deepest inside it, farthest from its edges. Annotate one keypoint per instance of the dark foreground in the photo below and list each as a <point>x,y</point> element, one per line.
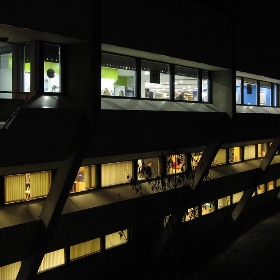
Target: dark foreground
<point>249,250</point>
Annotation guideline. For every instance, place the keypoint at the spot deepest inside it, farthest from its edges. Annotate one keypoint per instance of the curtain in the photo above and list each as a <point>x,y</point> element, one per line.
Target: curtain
<point>116,173</point>
<point>40,183</point>
<point>14,187</point>
<point>10,271</point>
<point>85,248</point>
<point>52,259</point>
<point>236,197</point>
<point>116,239</point>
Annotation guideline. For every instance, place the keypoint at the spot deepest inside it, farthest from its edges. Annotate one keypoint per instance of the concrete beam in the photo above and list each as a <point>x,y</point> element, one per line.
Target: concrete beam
<point>55,201</point>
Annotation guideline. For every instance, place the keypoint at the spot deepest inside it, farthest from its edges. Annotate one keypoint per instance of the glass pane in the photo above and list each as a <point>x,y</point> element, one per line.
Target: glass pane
<point>205,86</point>
<point>270,185</point>
<point>250,92</point>
<point>116,239</point>
<point>236,197</point>
<point>275,94</point>
<point>261,189</point>
<point>224,202</point>
<point>186,80</point>
<point>176,164</point>
<point>265,94</point>
<point>52,68</point>
<point>154,80</point>
<point>148,168</point>
<point>207,208</point>
<point>6,65</point>
<point>249,152</point>
<point>220,157</point>
<point>117,75</point>
<point>238,90</point>
<point>262,149</point>
<point>85,248</point>
<point>116,173</point>
<point>234,154</point>
<point>27,67</point>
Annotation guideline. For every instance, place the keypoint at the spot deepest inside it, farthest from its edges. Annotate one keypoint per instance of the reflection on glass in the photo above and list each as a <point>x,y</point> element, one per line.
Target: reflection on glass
<point>186,84</point>
<point>250,92</point>
<point>154,80</point>
<point>117,75</point>
<point>52,68</point>
<point>265,94</point>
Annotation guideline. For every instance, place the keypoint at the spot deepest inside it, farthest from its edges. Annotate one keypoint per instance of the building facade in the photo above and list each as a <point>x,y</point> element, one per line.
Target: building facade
<point>120,121</point>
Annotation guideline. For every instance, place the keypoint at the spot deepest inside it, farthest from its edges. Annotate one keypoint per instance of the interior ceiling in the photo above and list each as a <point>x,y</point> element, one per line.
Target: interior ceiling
<point>21,35</point>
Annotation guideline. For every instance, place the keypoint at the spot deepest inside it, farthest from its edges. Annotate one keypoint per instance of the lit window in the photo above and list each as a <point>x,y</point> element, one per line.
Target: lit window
<point>186,84</point>
<point>176,164</point>
<point>85,179</point>
<point>224,202</point>
<point>250,92</point>
<point>85,248</point>
<point>154,80</point>
<point>238,87</point>
<point>234,154</point>
<point>270,185</point>
<point>27,186</point>
<point>220,157</point>
<point>261,189</point>
<point>116,173</point>
<point>148,168</point>
<point>117,75</point>
<point>116,239</point>
<point>52,68</point>
<point>9,271</point>
<point>236,197</point>
<point>265,94</point>
<point>249,152</point>
<point>207,208</point>
<point>52,259</point>
<point>6,66</point>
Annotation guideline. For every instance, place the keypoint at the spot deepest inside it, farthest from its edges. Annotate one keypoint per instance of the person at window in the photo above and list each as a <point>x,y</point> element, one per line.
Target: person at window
<point>121,93</point>
<point>149,170</point>
<point>181,96</point>
<point>106,91</point>
<point>149,94</point>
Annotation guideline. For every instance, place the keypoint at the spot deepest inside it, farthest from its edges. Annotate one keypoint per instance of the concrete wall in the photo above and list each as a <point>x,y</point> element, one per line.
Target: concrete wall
<point>222,84</point>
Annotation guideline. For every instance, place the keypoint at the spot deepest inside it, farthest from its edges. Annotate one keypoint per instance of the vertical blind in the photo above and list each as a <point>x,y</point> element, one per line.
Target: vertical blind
<point>116,173</point>
<point>40,183</point>
<point>116,239</point>
<point>85,248</point>
<point>9,272</point>
<point>14,188</point>
<point>52,259</point>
